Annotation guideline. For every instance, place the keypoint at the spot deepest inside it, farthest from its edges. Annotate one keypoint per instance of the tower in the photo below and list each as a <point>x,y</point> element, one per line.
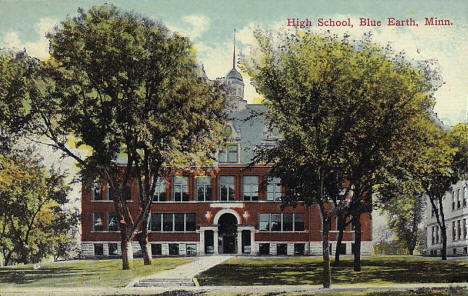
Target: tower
<point>235,83</point>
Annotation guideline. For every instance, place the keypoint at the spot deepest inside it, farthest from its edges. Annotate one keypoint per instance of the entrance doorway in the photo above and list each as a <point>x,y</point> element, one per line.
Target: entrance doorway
<point>227,233</point>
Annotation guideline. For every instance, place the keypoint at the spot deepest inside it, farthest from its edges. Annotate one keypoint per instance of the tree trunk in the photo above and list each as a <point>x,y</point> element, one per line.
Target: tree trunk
<point>444,242</point>
<point>443,229</point>
<point>357,242</point>
<point>142,238</point>
<point>411,251</point>
<point>326,254</point>
<point>341,226</point>
<point>125,254</point>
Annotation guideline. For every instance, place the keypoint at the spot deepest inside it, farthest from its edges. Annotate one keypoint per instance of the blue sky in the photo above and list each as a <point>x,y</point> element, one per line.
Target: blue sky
<point>210,25</point>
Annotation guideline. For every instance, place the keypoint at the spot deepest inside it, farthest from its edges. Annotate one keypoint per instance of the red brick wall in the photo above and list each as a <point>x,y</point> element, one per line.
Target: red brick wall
<point>312,221</point>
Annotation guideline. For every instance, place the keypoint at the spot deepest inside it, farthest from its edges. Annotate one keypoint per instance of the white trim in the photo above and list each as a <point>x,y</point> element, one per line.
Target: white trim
<point>226,211</point>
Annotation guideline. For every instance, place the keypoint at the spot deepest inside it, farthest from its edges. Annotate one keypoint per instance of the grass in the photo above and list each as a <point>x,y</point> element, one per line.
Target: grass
<point>307,271</point>
<point>85,273</point>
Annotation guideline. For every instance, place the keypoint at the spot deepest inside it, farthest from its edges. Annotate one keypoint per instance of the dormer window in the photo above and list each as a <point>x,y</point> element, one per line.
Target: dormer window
<point>230,154</point>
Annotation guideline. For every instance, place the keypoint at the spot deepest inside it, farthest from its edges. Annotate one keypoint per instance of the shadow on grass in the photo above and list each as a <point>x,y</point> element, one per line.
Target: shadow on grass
<point>25,275</point>
<point>308,272</point>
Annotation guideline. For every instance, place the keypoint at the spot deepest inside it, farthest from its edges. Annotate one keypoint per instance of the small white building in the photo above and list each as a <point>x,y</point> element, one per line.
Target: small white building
<point>455,206</point>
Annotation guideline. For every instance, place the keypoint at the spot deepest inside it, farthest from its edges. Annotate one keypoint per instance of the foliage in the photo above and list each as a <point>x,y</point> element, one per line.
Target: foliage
<point>404,204</point>
<point>129,91</point>
<point>33,221</point>
<point>438,163</point>
<point>16,70</point>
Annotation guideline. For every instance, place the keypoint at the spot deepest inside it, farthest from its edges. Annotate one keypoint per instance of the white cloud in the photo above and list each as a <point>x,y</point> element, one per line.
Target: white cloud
<point>38,48</point>
<point>194,26</point>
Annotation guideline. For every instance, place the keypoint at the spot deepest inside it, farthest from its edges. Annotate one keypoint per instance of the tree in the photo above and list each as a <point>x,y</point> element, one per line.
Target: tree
<point>33,221</point>
<point>342,109</point>
<point>440,163</point>
<point>123,86</point>
<point>16,70</point>
<point>404,205</point>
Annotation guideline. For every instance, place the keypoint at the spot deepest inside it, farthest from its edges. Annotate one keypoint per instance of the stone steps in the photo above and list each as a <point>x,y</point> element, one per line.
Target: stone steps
<point>164,283</point>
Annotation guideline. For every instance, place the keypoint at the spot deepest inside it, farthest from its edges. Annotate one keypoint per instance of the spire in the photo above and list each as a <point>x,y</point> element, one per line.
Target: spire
<point>234,54</point>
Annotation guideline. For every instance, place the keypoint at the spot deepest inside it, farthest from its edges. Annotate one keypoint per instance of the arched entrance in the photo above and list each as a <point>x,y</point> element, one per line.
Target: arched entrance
<point>227,234</point>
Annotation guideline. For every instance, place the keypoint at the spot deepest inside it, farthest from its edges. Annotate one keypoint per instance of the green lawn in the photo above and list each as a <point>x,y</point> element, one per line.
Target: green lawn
<point>307,271</point>
<point>85,273</point>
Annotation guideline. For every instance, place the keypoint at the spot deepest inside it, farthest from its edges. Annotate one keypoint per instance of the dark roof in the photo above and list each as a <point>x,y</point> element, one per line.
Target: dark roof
<point>234,74</point>
<point>250,122</point>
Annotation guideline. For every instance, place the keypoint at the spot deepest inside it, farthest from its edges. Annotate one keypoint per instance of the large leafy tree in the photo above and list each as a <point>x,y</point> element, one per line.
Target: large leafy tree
<point>439,164</point>
<point>33,217</point>
<point>123,86</point>
<point>16,83</point>
<point>343,109</point>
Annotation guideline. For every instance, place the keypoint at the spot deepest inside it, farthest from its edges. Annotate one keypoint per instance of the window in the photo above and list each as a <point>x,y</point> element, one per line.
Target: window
<point>127,193</point>
<point>180,189</point>
<point>464,228</point>
<point>179,222</point>
<point>287,222</point>
<point>458,199</point>
<point>226,187</point>
<point>155,222</point>
<point>275,222</point>
<point>112,222</point>
<point>264,249</point>
<point>229,153</point>
<point>98,249</point>
<point>342,249</point>
<point>96,191</point>
<point>156,250</point>
<point>433,235</point>
<point>298,222</point>
<point>160,190</point>
<point>281,222</point>
<point>465,195</point>
<point>203,188</point>
<point>459,229</point>
<point>264,222</point>
<point>113,251</point>
<point>173,249</point>
<point>98,223</point>
<point>170,222</point>
<point>453,200</point>
<point>191,249</point>
<point>250,187</point>
<point>190,222</point>
<point>299,249</point>
<point>437,234</point>
<point>454,231</point>
<point>282,249</point>
<point>274,189</point>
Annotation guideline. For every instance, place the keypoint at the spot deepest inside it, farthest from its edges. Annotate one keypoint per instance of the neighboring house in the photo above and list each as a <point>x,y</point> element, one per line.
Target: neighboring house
<point>230,210</point>
<point>455,205</point>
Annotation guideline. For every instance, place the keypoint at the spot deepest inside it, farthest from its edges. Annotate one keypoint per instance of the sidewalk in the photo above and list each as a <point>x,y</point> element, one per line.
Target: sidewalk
<point>234,290</point>
<point>181,275</point>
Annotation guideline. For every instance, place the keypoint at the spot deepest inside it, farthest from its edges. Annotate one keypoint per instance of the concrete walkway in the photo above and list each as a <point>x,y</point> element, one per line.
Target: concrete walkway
<point>216,290</point>
<point>181,275</point>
